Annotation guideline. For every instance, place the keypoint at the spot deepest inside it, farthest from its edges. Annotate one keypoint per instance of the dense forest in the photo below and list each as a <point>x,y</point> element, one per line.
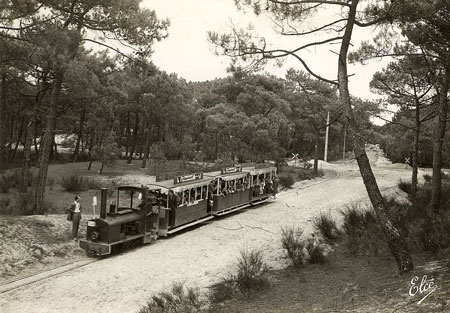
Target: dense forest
<point>133,110</point>
<point>115,104</point>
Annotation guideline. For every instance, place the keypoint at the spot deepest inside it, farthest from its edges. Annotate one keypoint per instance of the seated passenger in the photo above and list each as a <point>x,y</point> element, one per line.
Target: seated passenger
<point>239,185</point>
<point>179,198</point>
<point>186,197</point>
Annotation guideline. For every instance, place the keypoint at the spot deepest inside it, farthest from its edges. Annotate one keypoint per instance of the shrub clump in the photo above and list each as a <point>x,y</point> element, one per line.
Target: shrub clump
<point>222,291</point>
<point>13,180</point>
<point>362,230</point>
<point>316,250</point>
<point>75,183</point>
<point>23,204</point>
<point>286,181</point>
<point>4,205</point>
<point>178,299</point>
<point>326,226</point>
<point>72,183</point>
<point>301,250</point>
<point>250,272</point>
<point>4,185</point>
<point>292,243</point>
<point>248,276</point>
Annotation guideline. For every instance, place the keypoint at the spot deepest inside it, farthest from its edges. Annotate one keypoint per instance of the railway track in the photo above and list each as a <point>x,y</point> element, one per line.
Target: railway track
<point>35,277</point>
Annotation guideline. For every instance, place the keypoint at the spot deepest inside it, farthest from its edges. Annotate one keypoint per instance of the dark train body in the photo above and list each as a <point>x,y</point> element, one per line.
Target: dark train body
<point>140,215</point>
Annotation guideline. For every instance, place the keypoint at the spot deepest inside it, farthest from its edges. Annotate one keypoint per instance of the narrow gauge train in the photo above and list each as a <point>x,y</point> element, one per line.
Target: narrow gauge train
<point>140,215</point>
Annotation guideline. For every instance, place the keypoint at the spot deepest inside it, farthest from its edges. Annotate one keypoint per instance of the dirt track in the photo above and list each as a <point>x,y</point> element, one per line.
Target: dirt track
<point>198,257</point>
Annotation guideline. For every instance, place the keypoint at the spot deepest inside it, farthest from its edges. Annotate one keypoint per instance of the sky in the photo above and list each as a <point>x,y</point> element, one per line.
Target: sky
<point>187,52</point>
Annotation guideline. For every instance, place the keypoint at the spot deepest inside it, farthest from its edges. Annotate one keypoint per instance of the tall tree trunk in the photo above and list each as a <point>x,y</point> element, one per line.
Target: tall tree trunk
<point>25,174</point>
<point>217,146</point>
<point>101,168</point>
<point>80,134</point>
<point>416,152</point>
<point>36,149</point>
<point>2,116</point>
<point>146,148</point>
<point>30,135</point>
<point>90,161</point>
<point>91,145</point>
<point>9,138</point>
<point>54,151</point>
<point>439,134</point>
<point>395,240</point>
<point>135,136</point>
<point>47,145</point>
<point>316,152</point>
<point>128,135</point>
<point>19,136</point>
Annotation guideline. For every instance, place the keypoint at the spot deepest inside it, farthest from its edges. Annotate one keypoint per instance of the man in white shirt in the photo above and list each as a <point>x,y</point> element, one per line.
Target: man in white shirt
<point>75,208</point>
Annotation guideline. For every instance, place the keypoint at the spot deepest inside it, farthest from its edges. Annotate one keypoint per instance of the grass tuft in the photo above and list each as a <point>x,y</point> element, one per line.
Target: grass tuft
<point>363,233</point>
<point>251,272</point>
<point>178,299</point>
<point>293,245</point>
<point>326,226</point>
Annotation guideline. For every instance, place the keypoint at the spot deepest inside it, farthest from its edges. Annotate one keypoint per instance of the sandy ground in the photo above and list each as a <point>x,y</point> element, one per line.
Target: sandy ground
<point>201,256</point>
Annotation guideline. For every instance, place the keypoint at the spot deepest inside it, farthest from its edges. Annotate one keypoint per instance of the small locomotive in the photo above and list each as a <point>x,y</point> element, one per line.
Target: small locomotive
<point>140,215</point>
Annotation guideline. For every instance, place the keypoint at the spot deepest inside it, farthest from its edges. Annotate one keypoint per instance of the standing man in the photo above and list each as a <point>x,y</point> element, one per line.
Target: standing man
<point>173,204</point>
<point>75,208</point>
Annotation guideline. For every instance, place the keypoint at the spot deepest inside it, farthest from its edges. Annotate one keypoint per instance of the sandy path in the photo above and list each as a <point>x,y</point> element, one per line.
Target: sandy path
<point>198,257</point>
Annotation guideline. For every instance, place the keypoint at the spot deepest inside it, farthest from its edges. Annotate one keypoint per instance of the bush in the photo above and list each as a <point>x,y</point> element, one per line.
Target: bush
<point>362,230</point>
<point>293,245</point>
<point>4,206</point>
<point>405,186</point>
<point>178,299</point>
<point>72,183</point>
<point>83,156</point>
<point>222,291</point>
<point>13,180</point>
<point>434,235</point>
<point>24,204</point>
<point>427,178</point>
<point>301,250</point>
<point>92,184</point>
<point>76,183</point>
<point>326,226</point>
<point>286,181</point>
<point>250,272</point>
<point>316,250</point>
<point>4,185</point>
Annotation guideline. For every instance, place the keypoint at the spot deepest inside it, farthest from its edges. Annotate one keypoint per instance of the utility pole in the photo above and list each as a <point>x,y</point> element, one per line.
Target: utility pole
<point>345,137</point>
<point>326,137</point>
